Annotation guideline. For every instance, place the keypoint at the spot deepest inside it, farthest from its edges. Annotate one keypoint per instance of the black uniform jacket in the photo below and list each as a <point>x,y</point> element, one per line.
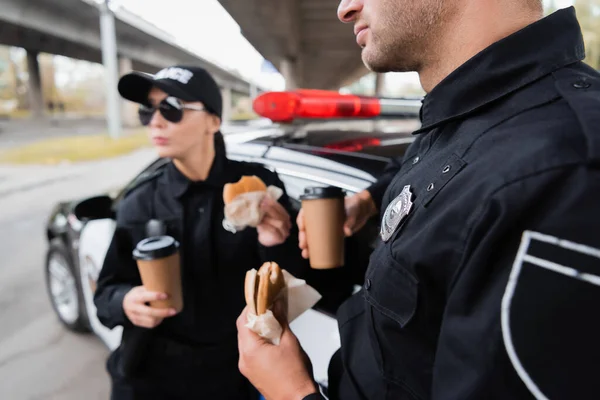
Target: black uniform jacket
<point>486,282</point>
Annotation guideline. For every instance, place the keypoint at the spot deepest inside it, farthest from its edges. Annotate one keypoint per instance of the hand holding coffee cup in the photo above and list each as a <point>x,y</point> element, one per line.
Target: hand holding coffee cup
<point>159,266</point>
<point>321,224</point>
<point>359,208</point>
<point>139,313</point>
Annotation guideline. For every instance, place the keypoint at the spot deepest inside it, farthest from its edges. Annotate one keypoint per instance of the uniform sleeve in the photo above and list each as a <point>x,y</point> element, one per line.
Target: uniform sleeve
<point>287,254</point>
<point>521,318</point>
<point>378,188</point>
<point>118,275</point>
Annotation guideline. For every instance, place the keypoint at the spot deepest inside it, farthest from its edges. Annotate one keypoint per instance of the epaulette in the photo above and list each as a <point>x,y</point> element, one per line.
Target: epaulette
<point>581,90</point>
<point>142,180</point>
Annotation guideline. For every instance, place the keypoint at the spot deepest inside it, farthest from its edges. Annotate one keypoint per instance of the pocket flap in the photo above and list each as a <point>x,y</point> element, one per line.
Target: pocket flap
<point>392,291</point>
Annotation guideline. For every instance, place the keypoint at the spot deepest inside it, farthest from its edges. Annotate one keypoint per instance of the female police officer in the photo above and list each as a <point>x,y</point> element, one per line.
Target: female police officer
<point>192,354</point>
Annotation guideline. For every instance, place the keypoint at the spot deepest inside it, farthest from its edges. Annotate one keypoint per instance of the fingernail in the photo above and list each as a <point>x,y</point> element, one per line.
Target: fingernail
<point>172,312</point>
<point>163,296</point>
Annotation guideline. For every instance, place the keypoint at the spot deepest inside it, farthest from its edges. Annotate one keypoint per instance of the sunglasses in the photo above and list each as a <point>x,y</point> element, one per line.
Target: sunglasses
<point>171,108</point>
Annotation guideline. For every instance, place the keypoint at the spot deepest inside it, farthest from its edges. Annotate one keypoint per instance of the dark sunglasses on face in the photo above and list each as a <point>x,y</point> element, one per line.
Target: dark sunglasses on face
<point>171,108</point>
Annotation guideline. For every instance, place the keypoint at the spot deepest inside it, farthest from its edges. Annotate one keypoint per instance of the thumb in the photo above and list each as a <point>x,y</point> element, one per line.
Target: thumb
<point>300,220</point>
<point>266,201</point>
<point>349,225</point>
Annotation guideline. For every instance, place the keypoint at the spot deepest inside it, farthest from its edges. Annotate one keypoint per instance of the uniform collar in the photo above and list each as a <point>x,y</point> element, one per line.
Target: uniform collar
<point>179,183</point>
<point>504,67</point>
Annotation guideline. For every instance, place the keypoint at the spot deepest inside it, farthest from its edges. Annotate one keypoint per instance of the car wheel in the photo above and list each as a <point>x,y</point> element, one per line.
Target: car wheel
<point>63,289</point>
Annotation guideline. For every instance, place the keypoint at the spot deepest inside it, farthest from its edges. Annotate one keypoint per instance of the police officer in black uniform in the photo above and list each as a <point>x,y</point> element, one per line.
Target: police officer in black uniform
<point>486,281</point>
<point>192,354</point>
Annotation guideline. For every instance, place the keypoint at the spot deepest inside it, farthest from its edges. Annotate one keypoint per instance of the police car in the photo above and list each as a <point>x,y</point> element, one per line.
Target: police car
<point>313,138</point>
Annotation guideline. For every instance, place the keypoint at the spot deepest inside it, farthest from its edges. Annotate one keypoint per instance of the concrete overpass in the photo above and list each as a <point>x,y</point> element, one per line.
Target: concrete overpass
<point>303,39</point>
<point>71,28</point>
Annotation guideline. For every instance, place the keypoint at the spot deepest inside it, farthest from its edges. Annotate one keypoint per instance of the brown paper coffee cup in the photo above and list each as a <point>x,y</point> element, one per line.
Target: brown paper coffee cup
<point>324,217</point>
<point>160,269</point>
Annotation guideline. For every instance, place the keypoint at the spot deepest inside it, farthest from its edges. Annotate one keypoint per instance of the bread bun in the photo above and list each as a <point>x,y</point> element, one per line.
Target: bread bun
<point>262,287</point>
<point>250,289</point>
<point>244,185</point>
<point>271,283</point>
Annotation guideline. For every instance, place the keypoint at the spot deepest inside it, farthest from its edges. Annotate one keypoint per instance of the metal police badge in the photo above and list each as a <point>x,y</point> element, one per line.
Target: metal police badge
<point>395,213</point>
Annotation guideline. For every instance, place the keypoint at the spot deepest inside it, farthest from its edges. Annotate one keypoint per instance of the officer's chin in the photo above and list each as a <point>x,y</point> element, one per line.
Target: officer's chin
<point>166,152</point>
<point>375,60</point>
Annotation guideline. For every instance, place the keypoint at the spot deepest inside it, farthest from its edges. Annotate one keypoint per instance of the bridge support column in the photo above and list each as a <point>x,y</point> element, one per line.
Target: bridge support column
<point>227,104</point>
<point>129,115</point>
<point>290,74</point>
<point>111,70</point>
<point>36,97</point>
<point>379,84</point>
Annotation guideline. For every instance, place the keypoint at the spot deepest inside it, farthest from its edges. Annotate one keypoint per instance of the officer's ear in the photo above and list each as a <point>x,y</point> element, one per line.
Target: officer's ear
<point>213,124</point>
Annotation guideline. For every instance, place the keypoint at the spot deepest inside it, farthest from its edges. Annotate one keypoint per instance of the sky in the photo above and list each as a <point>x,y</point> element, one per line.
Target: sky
<point>204,27</point>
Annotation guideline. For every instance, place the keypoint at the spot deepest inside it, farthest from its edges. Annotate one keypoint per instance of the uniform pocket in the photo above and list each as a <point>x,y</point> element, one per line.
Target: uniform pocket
<point>392,290</point>
<point>392,295</point>
<point>350,309</point>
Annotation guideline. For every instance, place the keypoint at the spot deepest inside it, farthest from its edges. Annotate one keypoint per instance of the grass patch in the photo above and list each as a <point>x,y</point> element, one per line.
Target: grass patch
<point>16,114</point>
<point>75,148</point>
<point>243,116</point>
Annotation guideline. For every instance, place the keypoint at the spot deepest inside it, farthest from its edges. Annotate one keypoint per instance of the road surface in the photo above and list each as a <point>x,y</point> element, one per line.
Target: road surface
<point>39,359</point>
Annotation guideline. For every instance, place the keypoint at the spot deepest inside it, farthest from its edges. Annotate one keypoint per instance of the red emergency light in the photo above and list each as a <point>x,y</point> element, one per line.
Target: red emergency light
<point>313,104</point>
<point>287,106</point>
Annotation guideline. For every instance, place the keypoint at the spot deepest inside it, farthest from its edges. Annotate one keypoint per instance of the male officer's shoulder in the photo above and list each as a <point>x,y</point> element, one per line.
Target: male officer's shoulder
<point>579,86</point>
<point>561,131</point>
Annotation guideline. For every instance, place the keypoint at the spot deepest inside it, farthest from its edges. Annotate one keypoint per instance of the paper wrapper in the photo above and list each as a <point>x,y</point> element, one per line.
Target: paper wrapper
<point>299,296</point>
<point>244,211</point>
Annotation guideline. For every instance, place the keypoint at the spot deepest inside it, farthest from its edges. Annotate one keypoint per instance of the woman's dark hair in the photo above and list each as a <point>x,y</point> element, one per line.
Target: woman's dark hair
<point>219,144</point>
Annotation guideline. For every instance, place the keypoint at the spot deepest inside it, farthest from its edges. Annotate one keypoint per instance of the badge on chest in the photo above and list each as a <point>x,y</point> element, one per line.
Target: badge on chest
<point>395,213</point>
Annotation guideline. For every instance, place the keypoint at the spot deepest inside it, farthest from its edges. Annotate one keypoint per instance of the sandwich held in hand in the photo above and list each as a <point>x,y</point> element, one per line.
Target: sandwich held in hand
<point>247,184</point>
<point>269,284</point>
<point>242,202</point>
<point>263,286</point>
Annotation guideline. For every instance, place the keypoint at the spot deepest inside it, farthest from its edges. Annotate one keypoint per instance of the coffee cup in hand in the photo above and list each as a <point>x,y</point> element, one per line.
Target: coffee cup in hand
<point>159,266</point>
<point>324,218</point>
